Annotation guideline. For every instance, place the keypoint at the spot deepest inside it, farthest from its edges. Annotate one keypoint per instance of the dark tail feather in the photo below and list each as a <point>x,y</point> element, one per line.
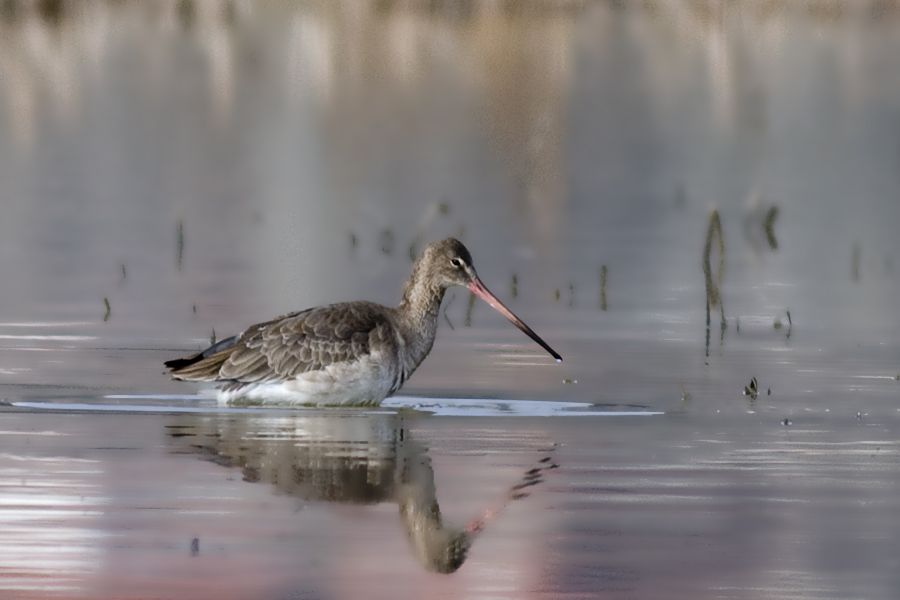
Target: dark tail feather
<point>179,363</point>
<point>204,365</point>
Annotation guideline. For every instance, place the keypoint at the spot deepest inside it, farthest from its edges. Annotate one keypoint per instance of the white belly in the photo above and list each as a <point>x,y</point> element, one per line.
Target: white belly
<point>361,383</point>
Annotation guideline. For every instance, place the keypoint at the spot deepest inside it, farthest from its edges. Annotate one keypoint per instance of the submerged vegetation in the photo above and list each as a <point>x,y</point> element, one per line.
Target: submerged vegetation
<point>751,390</point>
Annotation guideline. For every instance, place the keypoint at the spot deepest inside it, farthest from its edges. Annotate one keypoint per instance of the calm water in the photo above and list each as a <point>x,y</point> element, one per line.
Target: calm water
<point>174,171</point>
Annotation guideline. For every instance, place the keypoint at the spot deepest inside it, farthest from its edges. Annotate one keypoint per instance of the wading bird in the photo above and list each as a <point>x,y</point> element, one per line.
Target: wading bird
<point>347,354</point>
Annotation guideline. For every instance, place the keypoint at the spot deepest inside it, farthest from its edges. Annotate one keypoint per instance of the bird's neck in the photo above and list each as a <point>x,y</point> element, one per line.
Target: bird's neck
<point>421,296</point>
<point>418,313</point>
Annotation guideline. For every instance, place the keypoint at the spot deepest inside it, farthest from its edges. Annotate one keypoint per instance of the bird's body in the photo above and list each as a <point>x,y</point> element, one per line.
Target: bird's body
<point>353,353</point>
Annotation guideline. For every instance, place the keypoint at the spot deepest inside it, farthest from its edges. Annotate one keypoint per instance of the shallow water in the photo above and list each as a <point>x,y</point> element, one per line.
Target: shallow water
<point>309,504</point>
<point>173,171</point>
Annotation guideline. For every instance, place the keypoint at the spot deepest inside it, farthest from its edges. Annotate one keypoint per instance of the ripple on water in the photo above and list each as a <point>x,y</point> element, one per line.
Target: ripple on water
<point>455,407</point>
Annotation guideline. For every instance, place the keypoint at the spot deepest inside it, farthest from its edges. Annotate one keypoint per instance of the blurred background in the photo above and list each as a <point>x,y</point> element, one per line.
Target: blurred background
<point>200,166</point>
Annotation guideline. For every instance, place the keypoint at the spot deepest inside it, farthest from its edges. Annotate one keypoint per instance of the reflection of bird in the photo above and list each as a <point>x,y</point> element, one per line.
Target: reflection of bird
<point>362,459</point>
<point>355,353</point>
<point>438,548</point>
<point>347,459</point>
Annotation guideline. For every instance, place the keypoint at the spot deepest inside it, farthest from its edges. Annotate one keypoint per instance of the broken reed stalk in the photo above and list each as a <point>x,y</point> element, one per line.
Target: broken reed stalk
<point>713,233</point>
<point>469,308</point>
<point>769,227</point>
<point>603,271</point>
<point>715,240</point>
<point>386,242</point>
<point>179,244</point>
<point>446,306</point>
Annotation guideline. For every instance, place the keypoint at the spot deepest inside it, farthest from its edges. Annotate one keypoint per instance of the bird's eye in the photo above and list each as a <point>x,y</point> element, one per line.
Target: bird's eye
<point>457,262</point>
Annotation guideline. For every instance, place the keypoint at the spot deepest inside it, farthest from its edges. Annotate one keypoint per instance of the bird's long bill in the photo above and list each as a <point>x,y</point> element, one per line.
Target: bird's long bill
<point>478,288</point>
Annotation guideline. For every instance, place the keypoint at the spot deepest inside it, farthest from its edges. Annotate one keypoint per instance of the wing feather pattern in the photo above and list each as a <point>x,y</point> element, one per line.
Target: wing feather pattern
<point>310,340</point>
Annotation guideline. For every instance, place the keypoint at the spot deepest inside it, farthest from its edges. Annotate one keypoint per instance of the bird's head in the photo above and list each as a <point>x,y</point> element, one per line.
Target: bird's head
<point>448,263</point>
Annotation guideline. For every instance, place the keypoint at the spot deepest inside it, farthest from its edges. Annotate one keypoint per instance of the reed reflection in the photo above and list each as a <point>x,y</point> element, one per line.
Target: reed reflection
<point>354,459</point>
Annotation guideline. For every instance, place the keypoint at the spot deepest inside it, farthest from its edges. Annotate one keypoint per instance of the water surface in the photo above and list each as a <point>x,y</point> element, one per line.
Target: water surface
<point>171,172</point>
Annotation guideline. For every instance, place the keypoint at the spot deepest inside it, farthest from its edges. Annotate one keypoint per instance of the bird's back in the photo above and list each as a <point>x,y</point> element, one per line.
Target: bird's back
<point>294,344</point>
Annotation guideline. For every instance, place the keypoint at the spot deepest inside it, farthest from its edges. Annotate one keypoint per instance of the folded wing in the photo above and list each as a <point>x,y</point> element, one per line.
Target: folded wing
<point>288,346</point>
